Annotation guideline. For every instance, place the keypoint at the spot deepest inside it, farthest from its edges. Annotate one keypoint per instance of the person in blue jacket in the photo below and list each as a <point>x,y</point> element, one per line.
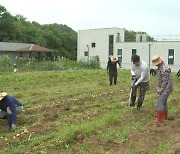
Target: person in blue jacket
<point>9,108</point>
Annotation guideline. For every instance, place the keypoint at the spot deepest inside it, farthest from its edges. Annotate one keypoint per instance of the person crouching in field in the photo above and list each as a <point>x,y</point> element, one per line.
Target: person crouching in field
<point>164,87</point>
<point>141,76</point>
<point>9,108</point>
<point>112,69</point>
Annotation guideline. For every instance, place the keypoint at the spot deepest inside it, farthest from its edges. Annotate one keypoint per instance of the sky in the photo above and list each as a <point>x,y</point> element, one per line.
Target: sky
<point>155,17</point>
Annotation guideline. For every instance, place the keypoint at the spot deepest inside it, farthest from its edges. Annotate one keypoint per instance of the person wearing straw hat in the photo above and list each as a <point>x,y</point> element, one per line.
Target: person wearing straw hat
<point>140,76</point>
<point>9,108</point>
<point>164,87</point>
<point>112,69</point>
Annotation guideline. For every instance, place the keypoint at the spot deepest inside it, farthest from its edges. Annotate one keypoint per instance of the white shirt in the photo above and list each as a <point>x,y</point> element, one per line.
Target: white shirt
<point>141,72</point>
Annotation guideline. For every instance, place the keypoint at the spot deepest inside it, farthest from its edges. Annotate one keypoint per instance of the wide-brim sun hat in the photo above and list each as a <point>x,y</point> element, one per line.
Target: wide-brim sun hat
<point>157,60</point>
<point>114,58</point>
<point>2,95</point>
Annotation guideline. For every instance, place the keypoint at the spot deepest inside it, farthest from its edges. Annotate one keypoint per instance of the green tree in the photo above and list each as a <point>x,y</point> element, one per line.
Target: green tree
<point>130,36</point>
<point>8,26</point>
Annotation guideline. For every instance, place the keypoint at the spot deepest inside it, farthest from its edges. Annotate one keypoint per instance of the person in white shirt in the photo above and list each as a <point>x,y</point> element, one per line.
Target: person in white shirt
<point>141,76</point>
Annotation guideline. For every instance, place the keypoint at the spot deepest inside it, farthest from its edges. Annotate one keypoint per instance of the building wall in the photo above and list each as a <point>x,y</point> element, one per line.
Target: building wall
<point>101,39</point>
<point>13,55</point>
<point>145,49</point>
<point>156,48</point>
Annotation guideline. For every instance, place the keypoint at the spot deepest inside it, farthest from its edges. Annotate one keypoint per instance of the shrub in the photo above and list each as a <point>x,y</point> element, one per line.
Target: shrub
<point>21,61</point>
<point>60,63</point>
<point>95,62</point>
<point>5,64</point>
<point>5,61</point>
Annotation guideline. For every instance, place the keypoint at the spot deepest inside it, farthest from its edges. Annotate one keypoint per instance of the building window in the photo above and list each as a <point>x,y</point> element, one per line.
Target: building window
<point>134,52</point>
<point>111,44</point>
<point>141,38</point>
<point>119,54</point>
<point>86,53</point>
<point>118,37</point>
<point>171,57</point>
<point>93,45</point>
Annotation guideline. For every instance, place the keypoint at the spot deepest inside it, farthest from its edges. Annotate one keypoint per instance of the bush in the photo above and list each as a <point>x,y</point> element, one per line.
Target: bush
<point>20,61</point>
<point>92,63</point>
<point>95,62</point>
<point>43,66</point>
<point>5,64</point>
<point>61,63</point>
<point>5,61</point>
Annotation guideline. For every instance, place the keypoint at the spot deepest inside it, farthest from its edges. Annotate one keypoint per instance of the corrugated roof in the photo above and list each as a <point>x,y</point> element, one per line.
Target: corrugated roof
<point>6,46</point>
<point>35,48</point>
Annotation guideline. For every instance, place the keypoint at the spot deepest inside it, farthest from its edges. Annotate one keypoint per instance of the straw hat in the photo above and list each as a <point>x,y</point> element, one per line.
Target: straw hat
<point>114,58</point>
<point>2,95</point>
<point>157,60</point>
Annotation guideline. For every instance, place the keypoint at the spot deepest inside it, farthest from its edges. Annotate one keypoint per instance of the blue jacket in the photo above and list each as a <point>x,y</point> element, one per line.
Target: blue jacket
<point>11,102</point>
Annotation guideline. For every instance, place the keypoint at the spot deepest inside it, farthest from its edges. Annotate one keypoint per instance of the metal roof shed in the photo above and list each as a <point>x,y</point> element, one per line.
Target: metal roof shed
<point>35,48</point>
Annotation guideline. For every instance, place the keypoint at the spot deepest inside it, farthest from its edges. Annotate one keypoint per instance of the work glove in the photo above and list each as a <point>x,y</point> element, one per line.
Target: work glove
<point>13,127</point>
<point>133,77</point>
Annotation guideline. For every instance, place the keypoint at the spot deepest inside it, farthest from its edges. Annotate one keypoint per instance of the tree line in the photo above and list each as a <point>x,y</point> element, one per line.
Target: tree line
<point>60,38</point>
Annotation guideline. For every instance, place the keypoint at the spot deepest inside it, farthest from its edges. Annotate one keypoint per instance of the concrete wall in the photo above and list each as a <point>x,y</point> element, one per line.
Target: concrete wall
<point>101,39</point>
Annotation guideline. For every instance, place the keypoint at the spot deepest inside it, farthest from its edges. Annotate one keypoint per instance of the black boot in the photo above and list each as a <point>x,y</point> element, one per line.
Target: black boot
<point>139,106</point>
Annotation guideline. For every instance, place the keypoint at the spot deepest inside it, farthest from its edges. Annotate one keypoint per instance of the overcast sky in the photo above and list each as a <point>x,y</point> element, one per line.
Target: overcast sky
<point>156,17</point>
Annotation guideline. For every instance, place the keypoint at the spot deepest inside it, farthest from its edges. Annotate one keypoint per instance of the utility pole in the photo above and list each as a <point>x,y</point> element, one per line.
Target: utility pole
<point>88,51</point>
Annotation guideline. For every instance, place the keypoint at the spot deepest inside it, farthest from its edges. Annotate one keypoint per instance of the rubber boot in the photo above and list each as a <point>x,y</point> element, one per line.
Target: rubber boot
<point>165,114</point>
<point>160,115</point>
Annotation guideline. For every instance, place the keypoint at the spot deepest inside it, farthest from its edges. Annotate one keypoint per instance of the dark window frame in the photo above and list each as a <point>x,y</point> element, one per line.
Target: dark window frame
<point>119,54</point>
<point>93,45</point>
<point>86,53</point>
<point>111,44</point>
<point>134,50</point>
<point>118,37</point>
<point>171,57</point>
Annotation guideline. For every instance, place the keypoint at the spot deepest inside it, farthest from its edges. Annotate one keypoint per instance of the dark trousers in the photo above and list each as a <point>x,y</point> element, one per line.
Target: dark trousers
<point>143,86</point>
<point>113,75</point>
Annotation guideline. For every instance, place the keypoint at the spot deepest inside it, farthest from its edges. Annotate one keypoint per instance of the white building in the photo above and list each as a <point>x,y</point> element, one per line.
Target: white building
<point>110,41</point>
